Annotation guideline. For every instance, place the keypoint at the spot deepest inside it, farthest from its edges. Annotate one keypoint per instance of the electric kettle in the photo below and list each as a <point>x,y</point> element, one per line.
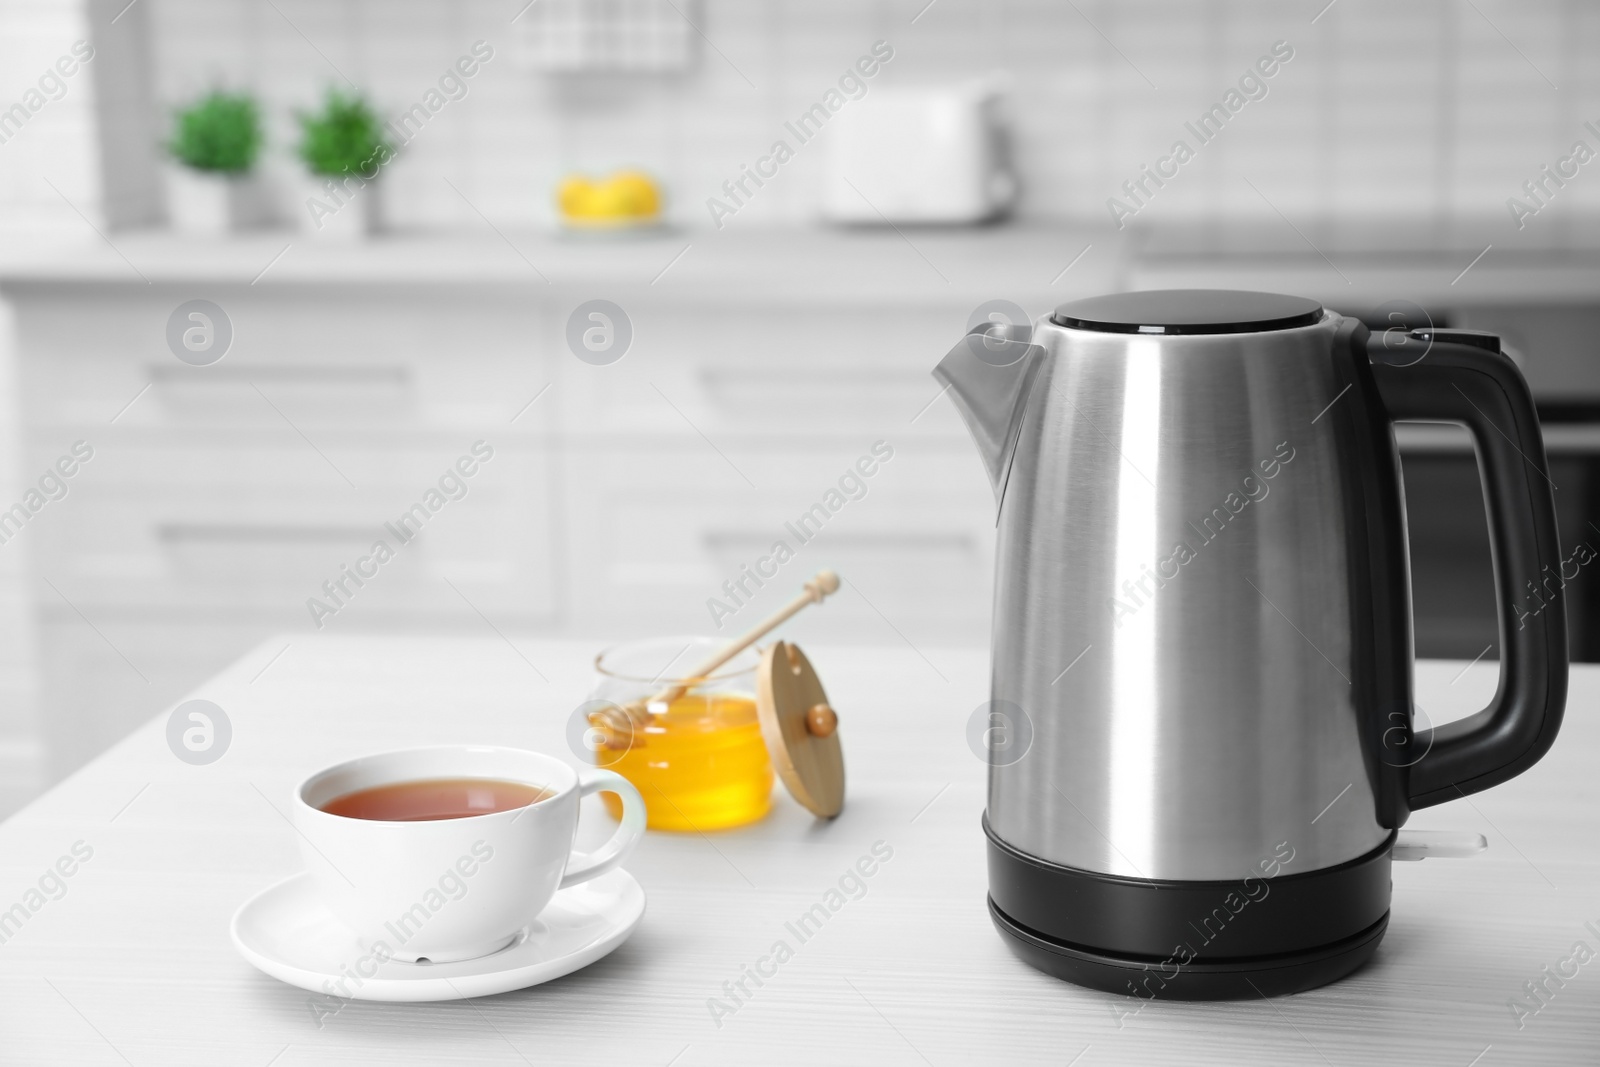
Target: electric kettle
<point>1202,655</point>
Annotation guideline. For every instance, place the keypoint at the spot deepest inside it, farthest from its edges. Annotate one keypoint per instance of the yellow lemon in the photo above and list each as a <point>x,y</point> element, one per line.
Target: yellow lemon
<point>575,197</point>
<point>635,194</point>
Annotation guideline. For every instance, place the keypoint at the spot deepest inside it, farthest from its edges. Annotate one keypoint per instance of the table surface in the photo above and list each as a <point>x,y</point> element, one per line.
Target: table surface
<point>132,964</point>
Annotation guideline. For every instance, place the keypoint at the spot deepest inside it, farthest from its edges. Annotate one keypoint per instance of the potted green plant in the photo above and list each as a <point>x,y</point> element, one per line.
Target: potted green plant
<point>344,150</point>
<point>215,143</point>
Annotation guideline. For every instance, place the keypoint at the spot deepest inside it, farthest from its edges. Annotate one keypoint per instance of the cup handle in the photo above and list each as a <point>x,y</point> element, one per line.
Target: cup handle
<point>582,866</point>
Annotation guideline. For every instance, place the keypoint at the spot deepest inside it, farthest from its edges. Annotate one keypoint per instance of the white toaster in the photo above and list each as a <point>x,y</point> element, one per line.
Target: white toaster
<point>927,154</point>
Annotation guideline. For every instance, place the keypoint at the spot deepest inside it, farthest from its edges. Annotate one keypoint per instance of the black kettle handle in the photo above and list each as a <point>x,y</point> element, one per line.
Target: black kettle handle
<point>1462,377</point>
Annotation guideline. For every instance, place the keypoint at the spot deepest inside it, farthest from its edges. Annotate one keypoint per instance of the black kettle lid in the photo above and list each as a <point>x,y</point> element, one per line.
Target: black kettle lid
<point>1188,311</point>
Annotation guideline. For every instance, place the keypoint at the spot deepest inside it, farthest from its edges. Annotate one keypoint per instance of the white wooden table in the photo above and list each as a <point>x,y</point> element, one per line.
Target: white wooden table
<point>133,963</point>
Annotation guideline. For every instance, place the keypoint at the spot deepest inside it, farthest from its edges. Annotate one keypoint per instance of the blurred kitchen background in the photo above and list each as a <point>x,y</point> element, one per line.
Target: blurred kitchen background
<point>774,340</point>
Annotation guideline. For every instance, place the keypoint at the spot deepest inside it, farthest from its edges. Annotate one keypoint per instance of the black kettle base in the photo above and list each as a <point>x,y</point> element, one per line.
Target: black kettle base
<point>1147,979</point>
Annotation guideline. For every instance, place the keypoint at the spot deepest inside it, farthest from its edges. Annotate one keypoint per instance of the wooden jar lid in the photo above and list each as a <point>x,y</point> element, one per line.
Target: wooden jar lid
<point>800,729</point>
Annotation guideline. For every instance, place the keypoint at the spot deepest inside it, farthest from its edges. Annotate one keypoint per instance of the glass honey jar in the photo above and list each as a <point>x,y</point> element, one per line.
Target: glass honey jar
<point>692,746</point>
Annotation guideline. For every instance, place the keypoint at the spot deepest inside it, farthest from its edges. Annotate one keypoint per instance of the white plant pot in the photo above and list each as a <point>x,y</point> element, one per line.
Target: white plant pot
<point>207,204</point>
<point>341,213</point>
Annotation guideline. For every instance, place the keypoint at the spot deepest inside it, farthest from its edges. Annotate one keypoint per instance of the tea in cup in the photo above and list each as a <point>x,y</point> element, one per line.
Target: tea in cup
<point>445,853</point>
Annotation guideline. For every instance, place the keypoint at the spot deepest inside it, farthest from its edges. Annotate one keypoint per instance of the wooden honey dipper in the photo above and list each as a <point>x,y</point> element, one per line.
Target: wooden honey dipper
<point>821,720</point>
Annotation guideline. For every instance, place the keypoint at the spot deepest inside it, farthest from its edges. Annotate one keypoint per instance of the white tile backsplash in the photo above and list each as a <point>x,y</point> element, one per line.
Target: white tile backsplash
<point>1413,111</point>
<point>1430,112</point>
<point>50,144</point>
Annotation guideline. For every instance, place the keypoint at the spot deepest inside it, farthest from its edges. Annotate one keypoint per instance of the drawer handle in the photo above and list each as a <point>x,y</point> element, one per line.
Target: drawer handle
<point>177,533</point>
<point>740,540</point>
<point>243,374</point>
<point>715,376</point>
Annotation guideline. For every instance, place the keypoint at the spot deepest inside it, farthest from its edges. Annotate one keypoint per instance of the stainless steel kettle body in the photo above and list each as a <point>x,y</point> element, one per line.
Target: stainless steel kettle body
<point>1201,641</point>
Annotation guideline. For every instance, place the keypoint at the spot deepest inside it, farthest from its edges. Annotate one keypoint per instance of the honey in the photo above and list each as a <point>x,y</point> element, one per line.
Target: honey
<point>699,762</point>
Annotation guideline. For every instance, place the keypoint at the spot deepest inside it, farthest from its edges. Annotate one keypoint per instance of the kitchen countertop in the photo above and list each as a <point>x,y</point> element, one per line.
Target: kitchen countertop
<point>775,267</point>
<point>133,963</point>
<point>1349,269</point>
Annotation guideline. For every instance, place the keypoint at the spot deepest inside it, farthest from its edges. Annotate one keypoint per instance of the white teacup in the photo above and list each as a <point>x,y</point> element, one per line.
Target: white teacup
<point>454,889</point>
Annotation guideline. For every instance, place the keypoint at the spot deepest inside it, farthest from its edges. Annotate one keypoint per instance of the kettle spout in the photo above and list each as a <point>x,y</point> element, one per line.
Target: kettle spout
<point>988,375</point>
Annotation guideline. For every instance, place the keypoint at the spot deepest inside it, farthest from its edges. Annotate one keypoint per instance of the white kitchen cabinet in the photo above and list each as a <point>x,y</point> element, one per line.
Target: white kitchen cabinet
<point>761,368</point>
<point>656,528</point>
<point>318,357</point>
<point>253,523</point>
<point>755,368</point>
<point>221,497</point>
<point>723,425</point>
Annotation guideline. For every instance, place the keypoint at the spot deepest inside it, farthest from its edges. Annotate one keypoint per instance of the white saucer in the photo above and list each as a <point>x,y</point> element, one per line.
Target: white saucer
<point>286,932</point>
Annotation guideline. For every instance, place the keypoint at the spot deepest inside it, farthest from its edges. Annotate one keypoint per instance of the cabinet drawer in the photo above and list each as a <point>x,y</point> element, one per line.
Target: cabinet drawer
<point>358,357</point>
<point>258,528</point>
<point>748,369</point>
<point>652,542</point>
